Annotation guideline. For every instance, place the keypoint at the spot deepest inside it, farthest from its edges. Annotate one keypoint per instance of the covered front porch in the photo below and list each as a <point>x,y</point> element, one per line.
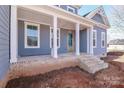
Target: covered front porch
<point>71,36</point>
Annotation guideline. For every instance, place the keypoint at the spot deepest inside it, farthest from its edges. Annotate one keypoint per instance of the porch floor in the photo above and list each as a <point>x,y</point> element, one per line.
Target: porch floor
<point>34,65</point>
<point>48,58</point>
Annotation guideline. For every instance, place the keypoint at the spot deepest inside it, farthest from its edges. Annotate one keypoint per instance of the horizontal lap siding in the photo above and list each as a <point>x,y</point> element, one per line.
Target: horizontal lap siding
<point>99,50</point>
<point>44,41</point>
<point>83,41</point>
<point>63,41</point>
<point>4,39</point>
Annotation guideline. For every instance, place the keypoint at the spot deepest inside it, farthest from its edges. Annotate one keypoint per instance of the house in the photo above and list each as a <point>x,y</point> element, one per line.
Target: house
<point>116,45</point>
<point>30,30</point>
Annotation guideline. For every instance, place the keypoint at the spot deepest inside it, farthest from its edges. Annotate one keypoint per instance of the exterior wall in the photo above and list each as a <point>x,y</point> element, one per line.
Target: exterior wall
<point>63,41</point>
<point>65,8</point>
<point>44,41</point>
<point>83,41</point>
<point>4,39</point>
<point>98,18</point>
<point>99,50</point>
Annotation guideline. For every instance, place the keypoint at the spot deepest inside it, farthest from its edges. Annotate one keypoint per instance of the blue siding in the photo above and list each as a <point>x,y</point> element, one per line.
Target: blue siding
<point>65,8</point>
<point>4,39</point>
<point>98,18</point>
<point>63,41</point>
<point>99,50</point>
<point>83,41</point>
<point>44,41</point>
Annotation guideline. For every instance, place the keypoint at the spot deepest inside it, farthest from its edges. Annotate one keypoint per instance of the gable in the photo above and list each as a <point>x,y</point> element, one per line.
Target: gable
<point>98,15</point>
<point>98,18</point>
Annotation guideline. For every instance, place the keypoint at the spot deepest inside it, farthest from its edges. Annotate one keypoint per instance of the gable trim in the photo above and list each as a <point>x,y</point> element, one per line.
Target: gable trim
<point>93,13</point>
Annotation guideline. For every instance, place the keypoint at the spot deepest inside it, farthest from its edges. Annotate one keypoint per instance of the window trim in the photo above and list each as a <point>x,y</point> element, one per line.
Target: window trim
<point>70,8</point>
<point>103,34</point>
<point>68,40</point>
<point>25,34</point>
<point>58,29</point>
<point>95,31</point>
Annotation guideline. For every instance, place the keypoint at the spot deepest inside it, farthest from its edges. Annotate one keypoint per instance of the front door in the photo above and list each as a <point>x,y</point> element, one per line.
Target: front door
<point>70,41</point>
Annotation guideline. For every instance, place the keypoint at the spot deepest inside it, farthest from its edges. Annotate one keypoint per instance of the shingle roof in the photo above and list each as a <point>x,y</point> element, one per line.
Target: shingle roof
<point>117,42</point>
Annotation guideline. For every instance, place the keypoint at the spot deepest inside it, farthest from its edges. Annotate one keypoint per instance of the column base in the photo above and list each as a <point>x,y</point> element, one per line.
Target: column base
<point>13,60</point>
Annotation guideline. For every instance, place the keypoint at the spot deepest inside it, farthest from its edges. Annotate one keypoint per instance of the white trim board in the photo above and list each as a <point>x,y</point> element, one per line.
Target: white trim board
<point>51,36</point>
<point>88,42</point>
<point>103,38</point>
<point>25,35</point>
<point>68,7</point>
<point>95,31</point>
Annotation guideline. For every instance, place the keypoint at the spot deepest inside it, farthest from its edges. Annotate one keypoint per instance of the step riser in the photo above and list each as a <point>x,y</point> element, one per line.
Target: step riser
<point>92,64</point>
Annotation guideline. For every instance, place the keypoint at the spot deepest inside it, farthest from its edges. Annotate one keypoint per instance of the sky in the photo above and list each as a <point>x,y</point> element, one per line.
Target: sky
<point>108,10</point>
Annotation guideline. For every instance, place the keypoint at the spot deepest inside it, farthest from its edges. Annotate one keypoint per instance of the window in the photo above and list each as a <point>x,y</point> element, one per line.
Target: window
<point>103,39</point>
<point>51,37</point>
<point>94,38</point>
<point>70,9</point>
<point>32,35</point>
<point>70,41</point>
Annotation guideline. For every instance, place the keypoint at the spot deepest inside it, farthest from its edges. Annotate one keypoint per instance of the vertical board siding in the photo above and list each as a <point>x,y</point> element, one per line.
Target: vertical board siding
<point>4,39</point>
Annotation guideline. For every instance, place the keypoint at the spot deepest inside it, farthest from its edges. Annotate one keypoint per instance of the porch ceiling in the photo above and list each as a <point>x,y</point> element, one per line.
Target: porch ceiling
<point>41,18</point>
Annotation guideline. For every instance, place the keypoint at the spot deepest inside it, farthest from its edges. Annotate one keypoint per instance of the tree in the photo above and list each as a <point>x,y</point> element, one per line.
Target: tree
<point>118,18</point>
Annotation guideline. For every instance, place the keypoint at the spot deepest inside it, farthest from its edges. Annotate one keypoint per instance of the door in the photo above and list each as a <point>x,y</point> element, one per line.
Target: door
<point>70,41</point>
<point>4,39</point>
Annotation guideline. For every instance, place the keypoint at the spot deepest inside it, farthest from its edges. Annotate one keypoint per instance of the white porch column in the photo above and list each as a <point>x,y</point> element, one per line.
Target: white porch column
<point>77,39</point>
<point>88,41</point>
<point>55,55</point>
<point>91,40</point>
<point>14,38</point>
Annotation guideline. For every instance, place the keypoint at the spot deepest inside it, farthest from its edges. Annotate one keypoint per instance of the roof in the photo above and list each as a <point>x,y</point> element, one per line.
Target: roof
<point>86,14</point>
<point>99,10</point>
<point>117,42</point>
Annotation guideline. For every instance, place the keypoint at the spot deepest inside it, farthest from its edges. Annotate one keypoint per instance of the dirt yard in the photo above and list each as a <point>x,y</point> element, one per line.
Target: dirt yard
<point>76,77</point>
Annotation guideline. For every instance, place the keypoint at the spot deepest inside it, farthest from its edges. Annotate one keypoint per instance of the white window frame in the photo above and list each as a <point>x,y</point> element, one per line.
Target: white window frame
<point>103,38</point>
<point>51,36</point>
<point>68,7</point>
<point>25,35</point>
<point>94,31</point>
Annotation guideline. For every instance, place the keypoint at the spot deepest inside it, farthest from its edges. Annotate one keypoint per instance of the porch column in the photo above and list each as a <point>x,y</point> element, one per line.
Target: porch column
<point>88,40</point>
<point>13,35</point>
<point>77,39</point>
<point>55,55</point>
<point>91,40</point>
